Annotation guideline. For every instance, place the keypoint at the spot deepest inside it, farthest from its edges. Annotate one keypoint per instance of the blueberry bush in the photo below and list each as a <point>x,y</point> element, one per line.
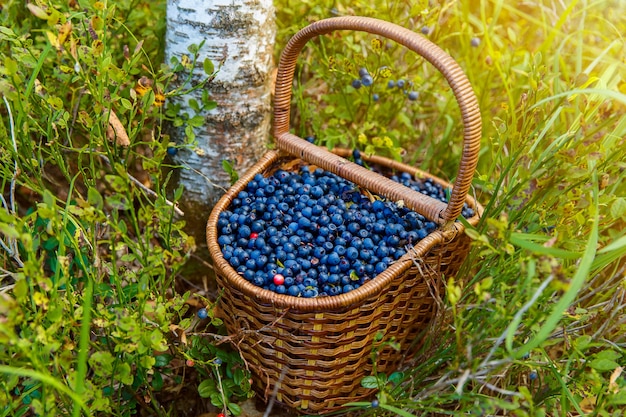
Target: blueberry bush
<point>102,308</point>
<point>92,321</point>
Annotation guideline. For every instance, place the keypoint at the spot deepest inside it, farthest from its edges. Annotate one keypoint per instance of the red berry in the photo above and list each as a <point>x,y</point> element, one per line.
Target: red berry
<point>253,235</point>
<point>279,279</point>
<point>221,415</point>
<point>190,363</point>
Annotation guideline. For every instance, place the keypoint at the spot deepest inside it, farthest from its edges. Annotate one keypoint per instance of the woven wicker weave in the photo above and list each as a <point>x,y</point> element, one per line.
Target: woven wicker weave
<point>315,351</point>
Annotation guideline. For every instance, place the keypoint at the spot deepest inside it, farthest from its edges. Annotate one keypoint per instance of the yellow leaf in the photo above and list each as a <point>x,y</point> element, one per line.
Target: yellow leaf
<point>41,300</point>
<point>377,44</point>
<point>54,41</point>
<point>186,62</point>
<point>144,84</point>
<point>385,72</point>
<point>588,404</point>
<point>159,99</point>
<point>64,32</point>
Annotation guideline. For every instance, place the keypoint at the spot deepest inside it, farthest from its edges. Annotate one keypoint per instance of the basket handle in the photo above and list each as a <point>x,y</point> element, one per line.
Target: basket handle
<point>470,112</point>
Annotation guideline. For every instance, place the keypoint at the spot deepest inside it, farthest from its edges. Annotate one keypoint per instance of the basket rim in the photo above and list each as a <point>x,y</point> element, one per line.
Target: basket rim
<point>326,303</point>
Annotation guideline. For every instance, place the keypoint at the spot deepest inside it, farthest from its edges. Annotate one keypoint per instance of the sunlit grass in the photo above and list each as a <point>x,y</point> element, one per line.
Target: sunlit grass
<point>543,289</point>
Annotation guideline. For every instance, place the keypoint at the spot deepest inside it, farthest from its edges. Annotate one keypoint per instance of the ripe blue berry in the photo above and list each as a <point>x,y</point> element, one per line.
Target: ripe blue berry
<point>375,97</point>
<point>367,80</point>
<point>400,84</point>
<point>533,375</point>
<point>363,72</point>
<point>202,313</point>
<point>375,403</point>
<point>413,95</point>
<point>356,84</point>
<point>475,42</point>
<point>171,151</point>
<point>316,233</point>
<point>391,84</point>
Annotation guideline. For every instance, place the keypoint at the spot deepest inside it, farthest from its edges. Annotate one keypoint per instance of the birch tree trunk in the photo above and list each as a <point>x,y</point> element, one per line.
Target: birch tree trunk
<point>239,38</point>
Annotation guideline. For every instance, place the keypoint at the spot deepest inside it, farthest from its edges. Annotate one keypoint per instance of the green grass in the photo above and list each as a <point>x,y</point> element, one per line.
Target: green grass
<point>94,290</point>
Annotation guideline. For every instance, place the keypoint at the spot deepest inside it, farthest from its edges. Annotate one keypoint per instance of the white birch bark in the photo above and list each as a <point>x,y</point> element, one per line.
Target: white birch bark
<point>239,34</point>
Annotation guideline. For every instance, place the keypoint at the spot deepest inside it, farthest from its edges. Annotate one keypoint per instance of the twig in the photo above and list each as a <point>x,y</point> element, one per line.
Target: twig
<point>146,189</point>
<point>496,389</point>
<point>270,404</point>
<point>13,250</point>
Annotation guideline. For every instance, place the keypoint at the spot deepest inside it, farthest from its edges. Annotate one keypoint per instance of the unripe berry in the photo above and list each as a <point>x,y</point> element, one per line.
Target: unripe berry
<point>279,279</point>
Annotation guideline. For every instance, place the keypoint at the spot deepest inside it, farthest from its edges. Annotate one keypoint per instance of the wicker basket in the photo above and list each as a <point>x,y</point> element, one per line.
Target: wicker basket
<point>313,352</point>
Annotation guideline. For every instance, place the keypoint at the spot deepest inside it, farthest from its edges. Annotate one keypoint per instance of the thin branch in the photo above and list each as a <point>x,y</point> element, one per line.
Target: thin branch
<point>146,189</point>
<point>13,250</point>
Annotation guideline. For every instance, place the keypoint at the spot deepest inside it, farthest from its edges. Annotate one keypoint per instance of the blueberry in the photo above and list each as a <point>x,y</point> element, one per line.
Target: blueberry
<point>333,259</point>
<point>367,80</point>
<point>413,95</point>
<point>363,72</point>
<point>375,97</point>
<point>400,84</point>
<point>171,151</point>
<point>202,313</point>
<point>356,84</point>
<point>533,375</point>
<point>391,84</point>
<point>475,42</point>
<point>375,403</point>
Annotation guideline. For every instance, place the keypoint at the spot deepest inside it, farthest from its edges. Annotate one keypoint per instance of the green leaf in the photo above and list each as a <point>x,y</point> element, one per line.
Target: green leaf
<point>208,66</point>
<point>369,382</point>
<point>603,365</point>
<point>234,409</point>
<point>396,377</point>
<point>396,410</point>
<point>101,363</point>
<point>238,376</point>
<point>48,198</point>
<point>94,198</point>
<point>609,355</point>
<point>162,360</point>
<point>618,208</point>
<point>618,399</point>
<point>157,381</point>
<point>126,103</point>
<point>206,388</point>
<point>525,241</point>
<point>193,103</point>
<point>124,374</point>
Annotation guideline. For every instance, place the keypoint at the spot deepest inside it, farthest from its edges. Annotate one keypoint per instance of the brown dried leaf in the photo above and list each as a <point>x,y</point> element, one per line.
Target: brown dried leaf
<point>116,131</point>
<point>613,386</point>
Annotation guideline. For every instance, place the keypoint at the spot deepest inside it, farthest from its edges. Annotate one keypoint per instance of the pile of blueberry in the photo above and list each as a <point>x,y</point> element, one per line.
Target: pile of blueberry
<point>312,233</point>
